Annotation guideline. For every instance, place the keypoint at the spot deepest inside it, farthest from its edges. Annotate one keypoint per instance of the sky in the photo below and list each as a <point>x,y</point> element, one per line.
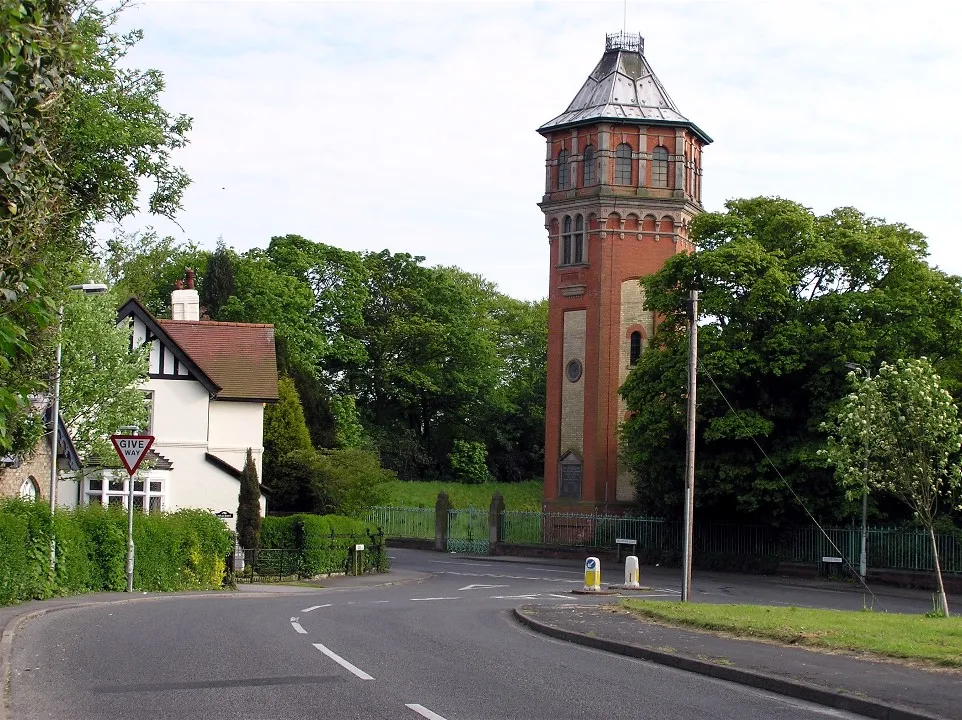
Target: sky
<point>413,126</point>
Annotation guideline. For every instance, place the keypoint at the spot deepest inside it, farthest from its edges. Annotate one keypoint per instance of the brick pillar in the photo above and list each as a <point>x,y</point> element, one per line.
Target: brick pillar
<point>441,508</point>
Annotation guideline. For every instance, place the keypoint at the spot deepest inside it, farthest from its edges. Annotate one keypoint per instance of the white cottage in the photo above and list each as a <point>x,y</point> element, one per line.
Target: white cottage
<point>208,385</point>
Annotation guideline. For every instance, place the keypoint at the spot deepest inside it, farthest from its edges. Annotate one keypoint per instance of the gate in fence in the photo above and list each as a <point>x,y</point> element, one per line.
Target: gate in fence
<point>468,531</point>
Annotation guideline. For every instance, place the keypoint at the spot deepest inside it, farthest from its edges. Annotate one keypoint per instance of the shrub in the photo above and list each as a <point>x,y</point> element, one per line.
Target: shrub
<point>469,462</point>
<point>352,480</point>
<point>173,551</point>
<point>325,541</point>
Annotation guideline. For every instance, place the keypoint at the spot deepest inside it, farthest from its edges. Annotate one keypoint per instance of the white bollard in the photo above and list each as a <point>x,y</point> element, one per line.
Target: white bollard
<point>592,574</point>
<point>631,572</point>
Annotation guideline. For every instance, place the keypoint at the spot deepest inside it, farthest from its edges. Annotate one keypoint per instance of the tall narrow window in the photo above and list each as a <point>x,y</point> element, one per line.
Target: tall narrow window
<point>566,242</point>
<point>589,174</point>
<point>579,254</point>
<point>564,171</point>
<point>659,167</point>
<point>635,351</point>
<point>623,164</point>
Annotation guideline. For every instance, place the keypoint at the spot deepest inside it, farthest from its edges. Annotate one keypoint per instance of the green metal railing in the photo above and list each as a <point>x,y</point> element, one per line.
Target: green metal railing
<point>468,531</point>
<point>399,522</point>
<point>660,540</point>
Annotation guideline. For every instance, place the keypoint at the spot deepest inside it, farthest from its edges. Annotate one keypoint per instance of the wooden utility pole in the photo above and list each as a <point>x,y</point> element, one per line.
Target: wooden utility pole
<point>690,453</point>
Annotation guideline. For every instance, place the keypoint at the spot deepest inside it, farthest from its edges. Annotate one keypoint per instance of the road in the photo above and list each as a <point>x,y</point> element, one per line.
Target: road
<point>444,648</point>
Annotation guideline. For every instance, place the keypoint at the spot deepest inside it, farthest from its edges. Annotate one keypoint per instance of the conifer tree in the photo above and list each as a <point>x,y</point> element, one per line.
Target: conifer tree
<point>218,283</point>
<point>249,505</point>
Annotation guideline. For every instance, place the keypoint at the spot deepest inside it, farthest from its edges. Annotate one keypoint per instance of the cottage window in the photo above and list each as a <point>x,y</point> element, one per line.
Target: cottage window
<point>635,348</point>
<point>148,494</point>
<point>579,237</point>
<point>566,241</point>
<point>29,490</point>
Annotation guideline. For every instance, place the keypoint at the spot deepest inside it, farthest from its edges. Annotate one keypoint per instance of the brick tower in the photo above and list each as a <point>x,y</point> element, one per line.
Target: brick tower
<point>623,182</point>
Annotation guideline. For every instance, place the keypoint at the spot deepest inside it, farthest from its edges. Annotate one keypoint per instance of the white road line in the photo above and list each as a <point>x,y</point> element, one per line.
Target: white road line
<point>297,626</point>
<point>457,597</point>
<point>423,711</point>
<point>315,607</point>
<point>563,597</point>
<point>373,602</point>
<point>342,662</point>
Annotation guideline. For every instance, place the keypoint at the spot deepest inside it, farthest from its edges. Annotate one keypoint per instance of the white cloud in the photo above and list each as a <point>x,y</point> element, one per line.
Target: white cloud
<point>412,126</point>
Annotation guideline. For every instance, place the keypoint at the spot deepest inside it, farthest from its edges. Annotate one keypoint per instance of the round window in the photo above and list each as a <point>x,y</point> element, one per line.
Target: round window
<point>573,371</point>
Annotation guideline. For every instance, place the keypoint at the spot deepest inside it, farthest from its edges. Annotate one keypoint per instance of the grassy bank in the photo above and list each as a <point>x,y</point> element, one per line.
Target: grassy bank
<point>933,641</point>
<point>517,496</point>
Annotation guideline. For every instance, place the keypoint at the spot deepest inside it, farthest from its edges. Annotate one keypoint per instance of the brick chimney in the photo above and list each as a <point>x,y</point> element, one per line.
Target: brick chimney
<point>185,300</point>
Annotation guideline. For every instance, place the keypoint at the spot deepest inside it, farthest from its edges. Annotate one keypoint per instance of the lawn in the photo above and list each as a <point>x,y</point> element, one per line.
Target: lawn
<point>517,496</point>
<point>929,640</point>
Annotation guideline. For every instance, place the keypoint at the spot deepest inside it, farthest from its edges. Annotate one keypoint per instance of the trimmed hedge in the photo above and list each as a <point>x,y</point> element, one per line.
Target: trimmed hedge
<point>184,550</point>
<point>325,542</point>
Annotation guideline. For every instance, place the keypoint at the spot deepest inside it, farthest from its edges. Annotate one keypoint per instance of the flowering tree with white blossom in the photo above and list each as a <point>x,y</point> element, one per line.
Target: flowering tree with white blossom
<point>900,433</point>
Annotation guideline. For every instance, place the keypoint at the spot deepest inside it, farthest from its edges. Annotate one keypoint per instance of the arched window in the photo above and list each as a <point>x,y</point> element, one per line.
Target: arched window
<point>29,490</point>
<point>623,164</point>
<point>579,254</point>
<point>566,241</point>
<point>564,171</point>
<point>635,351</point>
<point>659,167</point>
<point>589,175</point>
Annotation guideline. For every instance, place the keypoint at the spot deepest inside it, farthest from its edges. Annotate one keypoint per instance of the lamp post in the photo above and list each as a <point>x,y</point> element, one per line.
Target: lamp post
<point>862,561</point>
<point>86,289</point>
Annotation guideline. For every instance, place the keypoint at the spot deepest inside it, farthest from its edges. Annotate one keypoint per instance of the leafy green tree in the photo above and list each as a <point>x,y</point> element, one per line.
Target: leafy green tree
<point>146,266</point>
<point>249,505</point>
<point>787,298</point>
<point>351,480</point>
<point>218,284</point>
<point>900,433</point>
<point>468,462</point>
<point>80,130</point>
<point>101,377</point>
<point>35,62</point>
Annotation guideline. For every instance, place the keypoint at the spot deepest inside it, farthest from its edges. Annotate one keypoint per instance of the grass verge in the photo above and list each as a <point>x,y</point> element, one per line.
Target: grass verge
<point>517,496</point>
<point>928,640</point>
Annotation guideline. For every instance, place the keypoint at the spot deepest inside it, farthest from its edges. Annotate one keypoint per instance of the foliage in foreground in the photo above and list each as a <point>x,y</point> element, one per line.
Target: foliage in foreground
<point>933,640</point>
<point>184,550</point>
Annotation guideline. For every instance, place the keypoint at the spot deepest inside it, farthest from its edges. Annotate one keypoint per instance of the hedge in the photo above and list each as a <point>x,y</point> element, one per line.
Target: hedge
<point>184,550</point>
<point>325,542</point>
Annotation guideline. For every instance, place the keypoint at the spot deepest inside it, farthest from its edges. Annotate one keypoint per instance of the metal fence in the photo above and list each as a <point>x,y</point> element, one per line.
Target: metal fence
<point>714,544</point>
<point>398,522</point>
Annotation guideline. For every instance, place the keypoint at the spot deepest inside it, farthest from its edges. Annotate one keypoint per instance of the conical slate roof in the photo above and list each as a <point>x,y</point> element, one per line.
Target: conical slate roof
<point>622,88</point>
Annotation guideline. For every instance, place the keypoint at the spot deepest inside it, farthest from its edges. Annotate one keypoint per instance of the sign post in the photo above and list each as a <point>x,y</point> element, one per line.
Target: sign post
<point>132,450</point>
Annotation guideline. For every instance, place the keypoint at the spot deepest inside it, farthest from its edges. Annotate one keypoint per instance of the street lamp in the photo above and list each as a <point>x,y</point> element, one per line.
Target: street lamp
<point>86,289</point>
<point>862,564</point>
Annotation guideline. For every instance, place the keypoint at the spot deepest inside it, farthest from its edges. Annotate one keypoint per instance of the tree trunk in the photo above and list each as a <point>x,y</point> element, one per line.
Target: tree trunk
<point>938,573</point>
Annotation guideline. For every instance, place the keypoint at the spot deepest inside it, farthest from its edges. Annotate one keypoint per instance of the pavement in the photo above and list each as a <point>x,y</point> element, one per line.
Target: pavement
<point>872,688</point>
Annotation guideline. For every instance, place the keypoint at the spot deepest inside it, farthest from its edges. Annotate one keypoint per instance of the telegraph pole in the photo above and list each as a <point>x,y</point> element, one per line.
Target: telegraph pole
<point>690,453</point>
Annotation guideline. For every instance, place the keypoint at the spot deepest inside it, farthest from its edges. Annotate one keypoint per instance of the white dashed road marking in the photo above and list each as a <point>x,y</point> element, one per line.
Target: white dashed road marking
<point>457,597</point>
<point>424,712</point>
<point>342,662</point>
<point>297,626</point>
<point>315,607</point>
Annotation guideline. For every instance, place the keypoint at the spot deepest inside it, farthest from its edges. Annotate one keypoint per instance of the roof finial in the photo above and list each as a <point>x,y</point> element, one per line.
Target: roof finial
<point>631,42</point>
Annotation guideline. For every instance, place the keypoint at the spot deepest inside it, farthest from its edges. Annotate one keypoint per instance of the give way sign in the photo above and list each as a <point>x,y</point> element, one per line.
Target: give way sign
<point>132,449</point>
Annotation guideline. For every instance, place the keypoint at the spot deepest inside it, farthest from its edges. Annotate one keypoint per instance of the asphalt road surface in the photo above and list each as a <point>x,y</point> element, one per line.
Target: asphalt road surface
<point>444,648</point>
